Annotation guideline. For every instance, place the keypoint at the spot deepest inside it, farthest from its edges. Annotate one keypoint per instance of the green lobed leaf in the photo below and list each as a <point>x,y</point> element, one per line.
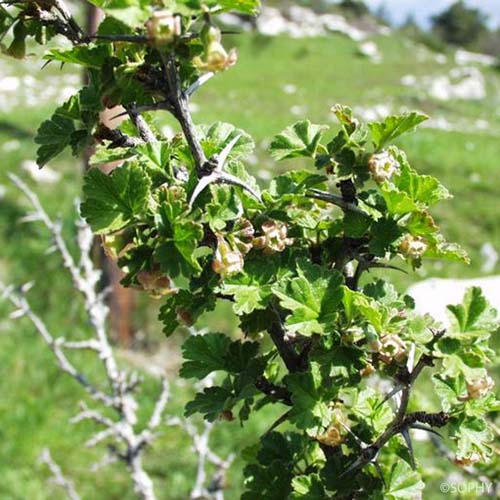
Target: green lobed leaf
<point>423,189</point>
<point>54,136</point>
<point>210,403</point>
<point>113,200</point>
<point>133,13</point>
<point>307,488</point>
<point>394,126</point>
<point>90,56</point>
<point>403,482</point>
<point>474,314</point>
<point>211,352</point>
<point>473,435</point>
<point>313,297</point>
<point>310,410</point>
<point>204,354</point>
<point>216,136</point>
<point>300,139</point>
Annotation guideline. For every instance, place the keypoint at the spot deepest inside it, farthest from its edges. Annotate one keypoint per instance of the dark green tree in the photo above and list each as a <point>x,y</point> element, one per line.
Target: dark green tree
<point>459,24</point>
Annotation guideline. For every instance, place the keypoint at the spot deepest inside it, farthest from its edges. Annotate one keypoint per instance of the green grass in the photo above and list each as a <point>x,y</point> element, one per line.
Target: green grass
<point>36,401</point>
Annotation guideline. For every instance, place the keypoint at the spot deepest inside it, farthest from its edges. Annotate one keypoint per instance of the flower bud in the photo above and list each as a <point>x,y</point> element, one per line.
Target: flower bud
<point>163,27</point>
<point>227,260</point>
<point>155,283</point>
<point>116,245</point>
<point>467,460</point>
<point>215,58</point>
<point>412,247</point>
<point>335,434</point>
<point>367,370</point>
<point>479,388</point>
<point>244,230</point>
<point>185,316</point>
<point>392,348</point>
<point>382,166</point>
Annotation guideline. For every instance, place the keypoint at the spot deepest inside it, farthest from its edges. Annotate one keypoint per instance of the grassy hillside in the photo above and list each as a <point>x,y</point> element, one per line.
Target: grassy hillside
<point>275,82</point>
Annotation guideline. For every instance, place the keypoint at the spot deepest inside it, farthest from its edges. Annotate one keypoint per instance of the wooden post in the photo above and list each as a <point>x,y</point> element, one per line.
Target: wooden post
<point>121,299</point>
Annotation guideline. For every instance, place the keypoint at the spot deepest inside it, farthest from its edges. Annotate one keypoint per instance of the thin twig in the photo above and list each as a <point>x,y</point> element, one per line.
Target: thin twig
<point>58,477</point>
<point>335,200</point>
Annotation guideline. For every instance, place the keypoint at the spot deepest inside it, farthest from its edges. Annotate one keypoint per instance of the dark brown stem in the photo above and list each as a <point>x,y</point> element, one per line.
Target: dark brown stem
<point>286,351</point>
<point>274,391</point>
<point>180,109</point>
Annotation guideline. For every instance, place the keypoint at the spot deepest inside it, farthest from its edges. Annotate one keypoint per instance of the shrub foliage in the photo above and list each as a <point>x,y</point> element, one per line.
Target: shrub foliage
<point>188,223</point>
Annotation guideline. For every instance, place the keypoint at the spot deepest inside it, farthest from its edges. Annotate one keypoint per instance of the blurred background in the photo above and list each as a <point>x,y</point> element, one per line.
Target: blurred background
<point>296,61</point>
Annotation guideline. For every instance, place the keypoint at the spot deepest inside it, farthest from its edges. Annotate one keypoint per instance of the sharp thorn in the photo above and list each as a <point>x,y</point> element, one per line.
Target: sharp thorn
<point>198,83</point>
<point>231,179</point>
<point>201,186</point>
<point>422,427</point>
<point>392,393</point>
<point>223,155</point>
<point>406,436</point>
<point>379,471</point>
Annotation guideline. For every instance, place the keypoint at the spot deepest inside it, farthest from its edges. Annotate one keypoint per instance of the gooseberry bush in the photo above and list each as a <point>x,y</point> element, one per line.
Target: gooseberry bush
<point>188,224</point>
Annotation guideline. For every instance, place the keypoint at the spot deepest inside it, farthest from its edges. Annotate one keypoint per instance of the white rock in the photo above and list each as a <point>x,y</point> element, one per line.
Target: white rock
<point>45,175</point>
<point>229,19</point>
<point>9,84</point>
<point>252,159</point>
<point>464,57</point>
<point>466,83</point>
<point>301,22</point>
<point>474,178</point>
<point>289,88</point>
<point>11,145</point>
<point>271,22</point>
<point>434,294</point>
<point>482,124</point>
<point>298,110</point>
<point>377,112</point>
<point>370,49</point>
<point>409,80</point>
<point>339,24</point>
<point>441,58</point>
<point>490,257</point>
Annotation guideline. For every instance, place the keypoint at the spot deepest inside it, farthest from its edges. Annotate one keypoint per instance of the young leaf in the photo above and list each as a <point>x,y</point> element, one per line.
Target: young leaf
<point>403,482</point>
<point>394,126</point>
<point>113,200</point>
<point>300,139</point>
<point>84,55</point>
<point>307,488</point>
<point>474,314</point>
<point>313,297</point>
<point>473,436</point>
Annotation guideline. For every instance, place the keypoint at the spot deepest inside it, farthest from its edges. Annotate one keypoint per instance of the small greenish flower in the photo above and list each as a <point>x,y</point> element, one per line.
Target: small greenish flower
<point>227,260</point>
<point>383,166</point>
<point>479,388</point>
<point>413,247</point>
<point>274,238</point>
<point>163,27</point>
<point>392,348</point>
<point>215,58</point>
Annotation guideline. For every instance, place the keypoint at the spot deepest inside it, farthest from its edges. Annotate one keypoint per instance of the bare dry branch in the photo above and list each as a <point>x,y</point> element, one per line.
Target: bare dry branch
<point>58,477</point>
